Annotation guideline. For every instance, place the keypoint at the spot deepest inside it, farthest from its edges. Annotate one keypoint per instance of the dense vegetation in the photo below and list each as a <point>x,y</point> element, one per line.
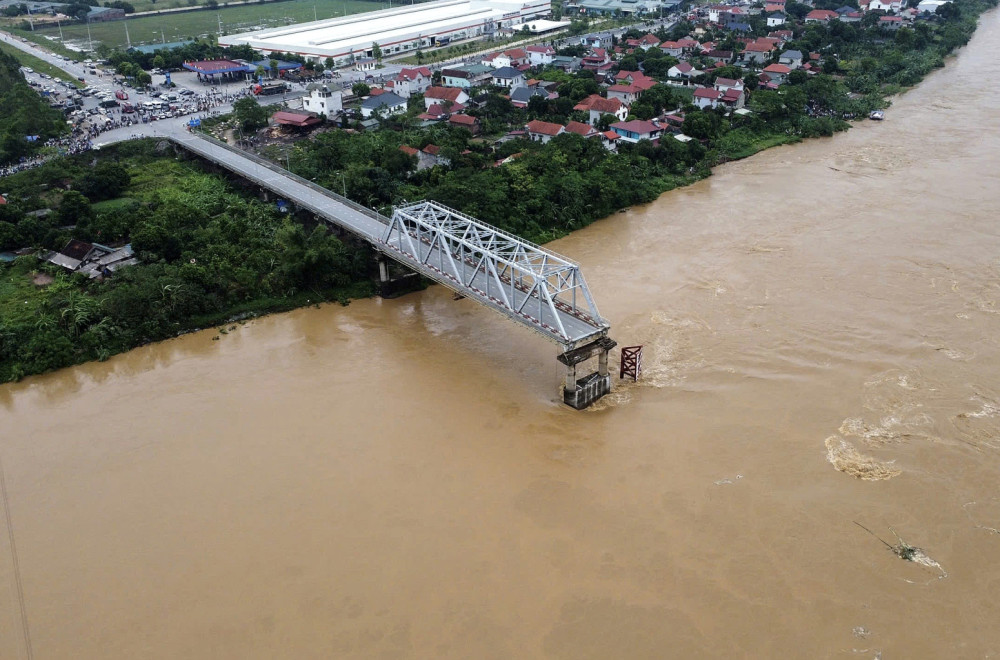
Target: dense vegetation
<point>208,253</point>
<point>24,114</point>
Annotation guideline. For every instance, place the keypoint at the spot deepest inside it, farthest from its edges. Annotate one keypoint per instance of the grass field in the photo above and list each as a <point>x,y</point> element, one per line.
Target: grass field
<point>38,65</point>
<point>188,25</point>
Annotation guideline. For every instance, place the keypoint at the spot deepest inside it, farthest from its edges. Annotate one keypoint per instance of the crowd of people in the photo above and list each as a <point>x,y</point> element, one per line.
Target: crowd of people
<point>77,142</point>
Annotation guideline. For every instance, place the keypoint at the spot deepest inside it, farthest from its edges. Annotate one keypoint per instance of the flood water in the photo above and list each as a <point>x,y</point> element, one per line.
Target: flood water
<point>398,479</point>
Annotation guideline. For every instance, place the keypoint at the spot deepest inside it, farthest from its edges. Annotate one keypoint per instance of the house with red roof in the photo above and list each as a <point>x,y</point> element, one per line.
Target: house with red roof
<point>540,55</point>
<point>890,22</point>
<point>543,131</point>
<point>672,48</point>
<point>637,129</point>
<point>609,139</point>
<point>725,84</point>
<point>821,16</point>
<point>626,93</point>
<point>465,121</point>
<point>757,52</point>
<point>596,105</point>
<point>777,73</point>
<point>411,81</point>
<point>706,97</point>
<point>683,72</point>
<point>444,96</point>
<point>581,129</point>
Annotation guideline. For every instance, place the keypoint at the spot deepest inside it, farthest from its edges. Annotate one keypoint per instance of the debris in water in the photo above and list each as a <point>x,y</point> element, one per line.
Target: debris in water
<point>723,482</point>
<point>861,632</point>
<point>907,552</point>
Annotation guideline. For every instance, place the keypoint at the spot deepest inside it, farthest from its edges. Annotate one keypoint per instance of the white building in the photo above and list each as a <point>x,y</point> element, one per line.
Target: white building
<point>322,101</point>
<point>403,29</point>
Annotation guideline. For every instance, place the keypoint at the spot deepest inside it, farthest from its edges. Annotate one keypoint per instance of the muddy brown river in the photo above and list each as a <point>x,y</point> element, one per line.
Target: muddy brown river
<point>398,478</point>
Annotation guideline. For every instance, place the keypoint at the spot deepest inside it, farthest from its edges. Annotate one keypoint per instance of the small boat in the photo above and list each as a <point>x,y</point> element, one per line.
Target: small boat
<point>877,115</point>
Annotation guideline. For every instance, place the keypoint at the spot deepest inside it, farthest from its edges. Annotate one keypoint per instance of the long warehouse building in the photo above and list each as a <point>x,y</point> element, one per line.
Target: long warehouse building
<point>399,30</point>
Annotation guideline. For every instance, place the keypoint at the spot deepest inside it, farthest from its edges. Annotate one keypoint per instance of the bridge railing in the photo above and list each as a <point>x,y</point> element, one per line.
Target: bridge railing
<point>263,162</point>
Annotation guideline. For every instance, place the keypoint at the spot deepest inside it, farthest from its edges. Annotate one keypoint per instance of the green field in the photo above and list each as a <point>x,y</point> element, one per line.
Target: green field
<point>188,25</point>
<point>38,65</point>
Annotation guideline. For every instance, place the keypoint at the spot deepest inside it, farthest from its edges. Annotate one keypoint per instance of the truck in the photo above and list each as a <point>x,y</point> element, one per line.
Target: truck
<point>270,88</point>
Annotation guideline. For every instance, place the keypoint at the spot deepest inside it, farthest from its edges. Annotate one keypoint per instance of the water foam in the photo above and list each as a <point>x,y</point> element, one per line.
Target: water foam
<point>847,459</point>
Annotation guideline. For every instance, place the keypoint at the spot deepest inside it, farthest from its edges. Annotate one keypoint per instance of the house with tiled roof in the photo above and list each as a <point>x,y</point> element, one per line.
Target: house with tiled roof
<point>672,48</point>
<point>465,121</point>
<point>733,98</point>
<point>540,55</point>
<point>706,97</point>
<point>890,22</point>
<point>507,77</point>
<point>776,18</point>
<point>610,140</point>
<point>543,131</point>
<point>597,105</point>
<point>445,96</point>
<point>521,96</point>
<point>683,72</point>
<point>757,52</point>
<point>385,104</point>
<point>821,16</point>
<point>791,58</point>
<point>413,80</point>
<point>637,129</point>
<point>626,93</point>
<point>581,129</point>
<point>777,73</point>
<point>724,84</point>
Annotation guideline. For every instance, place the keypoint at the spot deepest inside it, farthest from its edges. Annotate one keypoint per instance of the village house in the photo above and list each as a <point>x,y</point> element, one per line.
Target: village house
<point>672,48</point>
<point>890,22</point>
<point>626,93</point>
<point>466,76</point>
<point>465,121</point>
<point>520,96</point>
<point>445,96</point>
<point>706,97</point>
<point>637,129</point>
<point>888,6</point>
<point>435,113</point>
<point>725,84</point>
<point>322,101</point>
<point>733,98</point>
<point>596,59</point>
<point>597,105</point>
<point>821,16</point>
<point>775,19</point>
<point>540,55</point>
<point>543,131</point>
<point>412,81</point>
<point>609,139</point>
<point>515,58</point>
<point>386,104</point>
<point>365,64</point>
<point>581,129</point>
<point>683,72</point>
<point>791,58</point>
<point>757,52</point>
<point>507,77</point>
<point>719,56</point>
<point>92,259</point>
<point>777,73</point>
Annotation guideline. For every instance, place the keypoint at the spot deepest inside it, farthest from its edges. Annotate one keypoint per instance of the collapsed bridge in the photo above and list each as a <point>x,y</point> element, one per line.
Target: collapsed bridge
<point>524,282</point>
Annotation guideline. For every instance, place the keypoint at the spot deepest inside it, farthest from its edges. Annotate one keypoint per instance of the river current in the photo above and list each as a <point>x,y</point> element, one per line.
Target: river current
<point>398,478</point>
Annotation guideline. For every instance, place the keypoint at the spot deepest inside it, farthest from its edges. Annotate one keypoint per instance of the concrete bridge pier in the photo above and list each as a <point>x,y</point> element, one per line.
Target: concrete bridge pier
<point>581,392</point>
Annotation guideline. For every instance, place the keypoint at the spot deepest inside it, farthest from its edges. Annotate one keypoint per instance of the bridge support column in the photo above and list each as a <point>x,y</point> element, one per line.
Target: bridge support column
<point>581,392</point>
<point>383,269</point>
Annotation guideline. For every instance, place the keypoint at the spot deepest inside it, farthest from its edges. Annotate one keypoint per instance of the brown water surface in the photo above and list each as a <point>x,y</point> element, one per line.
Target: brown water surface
<point>398,479</point>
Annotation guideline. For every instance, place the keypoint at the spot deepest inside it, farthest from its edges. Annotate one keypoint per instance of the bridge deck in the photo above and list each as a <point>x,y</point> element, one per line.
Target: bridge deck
<point>560,323</point>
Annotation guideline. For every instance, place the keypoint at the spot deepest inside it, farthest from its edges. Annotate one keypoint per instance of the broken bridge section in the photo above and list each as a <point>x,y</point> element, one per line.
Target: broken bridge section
<point>523,281</point>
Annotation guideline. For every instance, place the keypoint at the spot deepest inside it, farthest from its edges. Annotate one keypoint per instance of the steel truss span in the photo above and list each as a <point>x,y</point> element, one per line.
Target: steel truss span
<point>523,281</point>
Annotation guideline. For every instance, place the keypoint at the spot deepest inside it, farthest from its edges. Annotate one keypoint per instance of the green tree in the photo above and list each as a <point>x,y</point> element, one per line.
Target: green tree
<point>250,114</point>
<point>360,89</point>
<point>377,52</point>
<point>73,208</point>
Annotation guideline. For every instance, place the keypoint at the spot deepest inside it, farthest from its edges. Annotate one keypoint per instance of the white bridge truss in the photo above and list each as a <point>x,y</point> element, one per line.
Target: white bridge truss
<point>521,280</point>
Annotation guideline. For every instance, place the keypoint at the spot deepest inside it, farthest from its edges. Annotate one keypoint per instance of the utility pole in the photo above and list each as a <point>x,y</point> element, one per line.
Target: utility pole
<point>163,37</point>
<point>220,25</point>
<point>315,17</point>
<point>127,39</point>
<point>90,40</point>
<point>60,30</point>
